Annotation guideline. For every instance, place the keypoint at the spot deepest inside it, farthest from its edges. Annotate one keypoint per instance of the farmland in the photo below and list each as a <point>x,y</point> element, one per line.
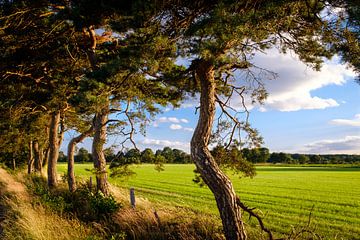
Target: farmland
<point>285,195</point>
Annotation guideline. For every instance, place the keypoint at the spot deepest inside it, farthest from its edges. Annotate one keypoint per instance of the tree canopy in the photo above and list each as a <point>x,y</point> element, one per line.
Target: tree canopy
<point>76,64</point>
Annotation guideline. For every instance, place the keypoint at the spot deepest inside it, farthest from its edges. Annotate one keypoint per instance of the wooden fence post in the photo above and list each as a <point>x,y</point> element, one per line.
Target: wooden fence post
<point>90,183</point>
<point>132,197</point>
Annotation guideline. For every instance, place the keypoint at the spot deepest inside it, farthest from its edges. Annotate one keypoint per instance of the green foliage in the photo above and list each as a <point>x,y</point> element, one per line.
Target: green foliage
<point>38,186</point>
<point>91,206</point>
<point>280,157</point>
<point>83,156</point>
<point>84,203</point>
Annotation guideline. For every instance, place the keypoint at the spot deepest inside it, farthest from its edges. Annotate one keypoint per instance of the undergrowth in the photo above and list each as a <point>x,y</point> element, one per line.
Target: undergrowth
<point>113,221</point>
<point>84,203</point>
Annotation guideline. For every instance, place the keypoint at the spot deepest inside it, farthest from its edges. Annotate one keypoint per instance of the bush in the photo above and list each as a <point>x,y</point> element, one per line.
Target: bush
<point>84,203</point>
<point>91,206</point>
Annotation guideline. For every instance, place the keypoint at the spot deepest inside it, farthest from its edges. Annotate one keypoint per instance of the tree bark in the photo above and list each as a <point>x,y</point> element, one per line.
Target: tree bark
<point>218,182</point>
<point>54,149</point>
<point>97,149</point>
<point>14,163</point>
<point>45,159</point>
<point>71,151</point>
<point>46,151</point>
<point>30,158</point>
<point>37,156</point>
<point>91,50</point>
<point>62,128</point>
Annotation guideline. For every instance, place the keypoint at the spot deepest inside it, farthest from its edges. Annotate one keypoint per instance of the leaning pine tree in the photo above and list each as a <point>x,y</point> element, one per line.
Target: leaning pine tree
<point>222,37</point>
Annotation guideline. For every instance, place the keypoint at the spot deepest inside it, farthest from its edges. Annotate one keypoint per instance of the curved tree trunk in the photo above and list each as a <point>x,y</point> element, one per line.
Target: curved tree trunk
<point>54,148</point>
<point>98,149</point>
<point>218,182</point>
<point>31,158</point>
<point>71,152</point>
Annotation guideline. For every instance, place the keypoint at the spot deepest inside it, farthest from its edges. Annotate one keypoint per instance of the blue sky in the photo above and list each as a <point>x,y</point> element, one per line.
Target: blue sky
<point>306,111</point>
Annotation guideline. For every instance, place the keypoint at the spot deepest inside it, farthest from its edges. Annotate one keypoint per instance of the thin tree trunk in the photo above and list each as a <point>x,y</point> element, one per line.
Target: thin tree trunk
<point>62,128</point>
<point>54,148</point>
<point>37,156</point>
<point>46,156</point>
<point>46,152</point>
<point>98,149</point>
<point>14,163</point>
<point>71,151</point>
<point>31,158</point>
<point>218,182</point>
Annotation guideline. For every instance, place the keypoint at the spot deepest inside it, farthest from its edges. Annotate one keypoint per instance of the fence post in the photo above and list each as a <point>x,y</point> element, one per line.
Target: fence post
<point>132,197</point>
<point>90,183</point>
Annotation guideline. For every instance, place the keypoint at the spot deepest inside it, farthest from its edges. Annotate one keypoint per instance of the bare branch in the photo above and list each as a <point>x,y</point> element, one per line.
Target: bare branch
<point>236,121</point>
<point>253,214</point>
<point>131,133</point>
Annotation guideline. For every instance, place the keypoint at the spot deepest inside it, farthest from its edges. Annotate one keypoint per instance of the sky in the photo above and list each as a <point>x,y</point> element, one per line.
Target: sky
<point>306,111</point>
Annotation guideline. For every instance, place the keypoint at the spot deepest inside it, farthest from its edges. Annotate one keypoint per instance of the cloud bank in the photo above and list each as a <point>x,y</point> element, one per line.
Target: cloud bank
<point>355,122</point>
<point>291,90</point>
<point>347,145</point>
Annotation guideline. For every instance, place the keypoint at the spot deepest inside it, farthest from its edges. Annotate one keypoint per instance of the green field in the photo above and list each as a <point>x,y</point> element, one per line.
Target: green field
<point>285,195</point>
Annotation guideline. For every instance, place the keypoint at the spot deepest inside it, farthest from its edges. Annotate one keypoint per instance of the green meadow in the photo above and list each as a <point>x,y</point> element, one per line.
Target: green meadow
<point>288,197</point>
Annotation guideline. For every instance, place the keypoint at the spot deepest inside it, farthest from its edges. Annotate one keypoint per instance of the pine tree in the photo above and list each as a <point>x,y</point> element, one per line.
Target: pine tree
<point>221,37</point>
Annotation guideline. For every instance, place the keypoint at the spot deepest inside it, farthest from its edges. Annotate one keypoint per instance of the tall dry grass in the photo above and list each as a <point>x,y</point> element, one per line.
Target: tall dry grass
<point>22,219</point>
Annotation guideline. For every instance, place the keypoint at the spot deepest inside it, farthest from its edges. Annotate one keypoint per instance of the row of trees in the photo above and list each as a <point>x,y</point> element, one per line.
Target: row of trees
<point>313,158</point>
<point>107,67</point>
<point>252,155</point>
<point>133,156</point>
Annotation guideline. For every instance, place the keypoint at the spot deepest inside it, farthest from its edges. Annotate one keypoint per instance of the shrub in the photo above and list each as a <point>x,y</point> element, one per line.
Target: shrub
<point>84,203</point>
<point>91,206</point>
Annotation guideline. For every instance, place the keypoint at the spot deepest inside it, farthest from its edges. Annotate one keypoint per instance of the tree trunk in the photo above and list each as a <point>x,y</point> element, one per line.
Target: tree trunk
<point>62,128</point>
<point>31,158</point>
<point>14,163</point>
<point>71,151</point>
<point>91,50</point>
<point>54,148</point>
<point>46,152</point>
<point>46,156</point>
<point>218,182</point>
<point>97,149</point>
<point>37,156</point>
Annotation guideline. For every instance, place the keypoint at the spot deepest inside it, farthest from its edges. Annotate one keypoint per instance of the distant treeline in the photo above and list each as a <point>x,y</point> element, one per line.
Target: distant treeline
<point>253,155</point>
<point>166,155</point>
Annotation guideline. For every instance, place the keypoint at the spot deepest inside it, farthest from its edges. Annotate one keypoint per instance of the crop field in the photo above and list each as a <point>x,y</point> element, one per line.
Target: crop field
<point>286,196</point>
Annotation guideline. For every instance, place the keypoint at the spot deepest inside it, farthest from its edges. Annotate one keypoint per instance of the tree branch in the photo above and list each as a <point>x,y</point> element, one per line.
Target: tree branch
<point>253,214</point>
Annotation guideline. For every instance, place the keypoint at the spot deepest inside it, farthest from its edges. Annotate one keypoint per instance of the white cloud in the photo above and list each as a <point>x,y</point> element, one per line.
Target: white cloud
<point>187,105</point>
<point>175,123</point>
<point>166,143</point>
<point>184,120</point>
<point>347,145</point>
<point>291,91</point>
<point>171,120</point>
<point>347,122</point>
<point>189,129</point>
<point>175,127</point>
<point>299,103</point>
<point>191,101</point>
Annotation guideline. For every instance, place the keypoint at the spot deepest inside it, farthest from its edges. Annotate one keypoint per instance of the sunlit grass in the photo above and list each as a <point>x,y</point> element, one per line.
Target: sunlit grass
<point>285,195</point>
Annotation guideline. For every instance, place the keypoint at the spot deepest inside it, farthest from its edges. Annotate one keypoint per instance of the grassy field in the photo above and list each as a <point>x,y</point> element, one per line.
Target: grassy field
<point>285,195</point>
